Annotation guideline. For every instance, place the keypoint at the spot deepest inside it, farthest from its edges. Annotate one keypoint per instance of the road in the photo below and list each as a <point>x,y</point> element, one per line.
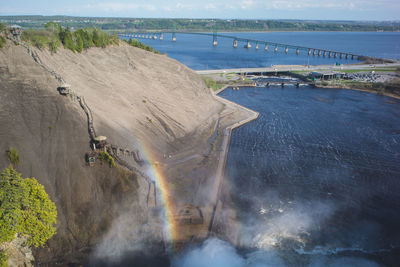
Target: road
<point>284,68</point>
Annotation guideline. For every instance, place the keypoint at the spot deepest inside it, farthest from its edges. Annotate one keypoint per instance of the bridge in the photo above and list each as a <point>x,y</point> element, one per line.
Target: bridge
<point>248,43</point>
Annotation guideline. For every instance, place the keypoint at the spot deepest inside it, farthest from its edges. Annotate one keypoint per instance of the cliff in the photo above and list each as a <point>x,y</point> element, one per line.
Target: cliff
<point>137,99</point>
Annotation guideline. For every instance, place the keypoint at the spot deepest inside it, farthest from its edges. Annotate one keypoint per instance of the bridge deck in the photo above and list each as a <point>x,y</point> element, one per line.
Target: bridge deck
<point>275,45</point>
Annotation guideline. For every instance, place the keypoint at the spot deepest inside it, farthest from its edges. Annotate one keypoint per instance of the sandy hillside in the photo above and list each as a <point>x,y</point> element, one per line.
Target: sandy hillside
<point>138,94</point>
<point>134,95</point>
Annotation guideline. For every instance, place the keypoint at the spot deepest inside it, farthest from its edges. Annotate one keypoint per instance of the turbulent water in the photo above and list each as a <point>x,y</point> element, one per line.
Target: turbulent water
<point>316,177</point>
<point>198,53</point>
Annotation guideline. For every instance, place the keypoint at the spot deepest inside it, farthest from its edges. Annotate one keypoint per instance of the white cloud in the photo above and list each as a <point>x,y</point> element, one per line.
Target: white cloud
<point>210,6</point>
<point>120,6</point>
<point>246,4</point>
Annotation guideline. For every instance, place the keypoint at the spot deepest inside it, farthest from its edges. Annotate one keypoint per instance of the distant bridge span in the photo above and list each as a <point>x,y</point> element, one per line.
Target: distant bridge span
<point>248,43</point>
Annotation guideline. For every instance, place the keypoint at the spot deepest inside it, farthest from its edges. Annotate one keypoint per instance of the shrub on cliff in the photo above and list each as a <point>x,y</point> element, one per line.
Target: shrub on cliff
<point>25,209</point>
<point>3,259</point>
<point>136,43</point>
<point>41,39</point>
<point>54,35</point>
<point>105,157</point>
<point>13,156</point>
<point>2,41</point>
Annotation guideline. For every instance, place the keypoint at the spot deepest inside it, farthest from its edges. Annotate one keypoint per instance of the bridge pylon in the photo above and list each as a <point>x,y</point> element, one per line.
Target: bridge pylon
<point>215,42</point>
<point>173,33</point>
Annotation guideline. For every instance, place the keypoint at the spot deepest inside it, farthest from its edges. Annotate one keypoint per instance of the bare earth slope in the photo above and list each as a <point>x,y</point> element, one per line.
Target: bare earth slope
<point>135,96</point>
<point>140,95</point>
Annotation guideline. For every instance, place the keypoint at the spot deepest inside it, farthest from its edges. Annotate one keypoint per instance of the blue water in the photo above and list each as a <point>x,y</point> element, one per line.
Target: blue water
<point>318,174</point>
<point>198,53</point>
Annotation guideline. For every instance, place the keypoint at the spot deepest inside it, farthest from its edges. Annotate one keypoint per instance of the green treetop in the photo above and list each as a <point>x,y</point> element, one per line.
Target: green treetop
<point>25,209</point>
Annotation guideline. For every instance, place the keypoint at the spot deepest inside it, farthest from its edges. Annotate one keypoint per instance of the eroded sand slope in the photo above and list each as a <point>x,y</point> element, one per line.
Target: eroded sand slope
<point>135,96</point>
<point>140,95</point>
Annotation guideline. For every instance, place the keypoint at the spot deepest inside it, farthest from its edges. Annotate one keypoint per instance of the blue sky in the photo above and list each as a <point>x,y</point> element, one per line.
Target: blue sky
<point>253,9</point>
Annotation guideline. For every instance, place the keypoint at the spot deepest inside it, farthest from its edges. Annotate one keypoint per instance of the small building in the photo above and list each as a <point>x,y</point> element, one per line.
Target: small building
<point>16,30</point>
<point>100,142</point>
<point>91,158</point>
<point>326,75</point>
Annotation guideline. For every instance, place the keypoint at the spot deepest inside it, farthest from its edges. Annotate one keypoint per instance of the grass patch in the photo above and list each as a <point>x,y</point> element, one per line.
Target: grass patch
<point>210,83</point>
<point>300,71</point>
<point>105,157</point>
<point>368,70</point>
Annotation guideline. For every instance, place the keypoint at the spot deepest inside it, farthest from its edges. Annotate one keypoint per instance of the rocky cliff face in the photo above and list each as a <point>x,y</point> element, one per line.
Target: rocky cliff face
<point>135,96</point>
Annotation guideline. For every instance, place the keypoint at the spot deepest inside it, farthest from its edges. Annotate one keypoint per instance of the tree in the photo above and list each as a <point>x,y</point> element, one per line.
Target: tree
<point>53,27</point>
<point>25,209</point>
<point>78,43</point>
<point>97,38</point>
<point>54,44</point>
<point>66,39</point>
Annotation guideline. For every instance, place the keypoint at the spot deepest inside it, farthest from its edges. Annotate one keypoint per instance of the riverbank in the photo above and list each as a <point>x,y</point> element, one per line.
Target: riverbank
<point>383,79</point>
<point>379,89</point>
<point>229,223</point>
<point>196,176</point>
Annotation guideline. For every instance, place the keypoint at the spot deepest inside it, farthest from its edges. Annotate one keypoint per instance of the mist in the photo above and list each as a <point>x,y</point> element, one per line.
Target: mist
<point>217,253</point>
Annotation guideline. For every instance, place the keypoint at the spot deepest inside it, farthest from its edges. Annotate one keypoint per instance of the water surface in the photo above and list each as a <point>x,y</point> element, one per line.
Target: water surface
<point>198,53</point>
<point>318,174</point>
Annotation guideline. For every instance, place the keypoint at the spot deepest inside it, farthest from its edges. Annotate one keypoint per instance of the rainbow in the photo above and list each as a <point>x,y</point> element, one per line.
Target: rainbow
<point>156,175</point>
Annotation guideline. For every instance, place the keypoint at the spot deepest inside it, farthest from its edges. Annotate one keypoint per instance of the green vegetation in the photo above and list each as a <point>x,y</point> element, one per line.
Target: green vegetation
<point>3,259</point>
<point>136,43</point>
<point>54,35</point>
<point>212,84</point>
<point>105,157</point>
<point>25,210</point>
<point>3,39</point>
<point>13,156</point>
<point>41,39</point>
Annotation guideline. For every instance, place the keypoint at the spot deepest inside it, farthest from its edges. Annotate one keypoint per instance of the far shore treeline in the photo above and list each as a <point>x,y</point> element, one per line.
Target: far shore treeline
<point>230,25</point>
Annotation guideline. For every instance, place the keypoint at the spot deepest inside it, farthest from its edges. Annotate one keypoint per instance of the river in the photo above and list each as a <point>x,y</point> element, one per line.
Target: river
<point>198,53</point>
<point>318,173</point>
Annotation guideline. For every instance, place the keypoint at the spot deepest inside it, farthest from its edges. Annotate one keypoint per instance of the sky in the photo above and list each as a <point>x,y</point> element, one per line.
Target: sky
<point>224,9</point>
